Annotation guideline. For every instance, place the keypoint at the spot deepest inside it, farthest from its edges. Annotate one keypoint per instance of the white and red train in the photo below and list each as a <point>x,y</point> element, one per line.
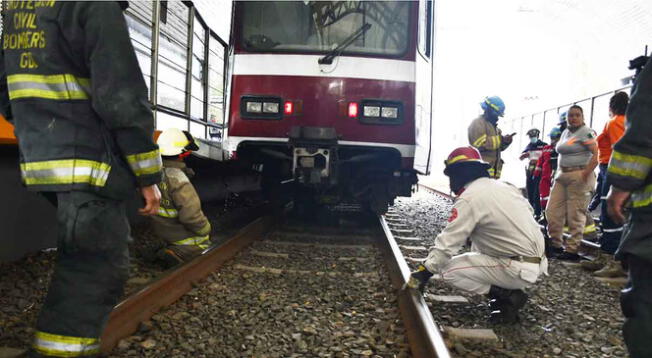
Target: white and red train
<point>335,97</point>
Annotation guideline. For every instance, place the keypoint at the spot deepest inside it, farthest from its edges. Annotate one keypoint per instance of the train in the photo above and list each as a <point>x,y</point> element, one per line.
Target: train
<point>332,97</point>
<point>328,102</point>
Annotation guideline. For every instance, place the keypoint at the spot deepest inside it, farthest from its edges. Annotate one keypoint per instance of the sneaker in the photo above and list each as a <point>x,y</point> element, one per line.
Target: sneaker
<point>568,256</point>
<point>612,269</point>
<point>596,264</point>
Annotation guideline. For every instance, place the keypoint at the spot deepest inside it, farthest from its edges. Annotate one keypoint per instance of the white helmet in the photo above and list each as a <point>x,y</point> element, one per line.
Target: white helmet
<point>174,141</point>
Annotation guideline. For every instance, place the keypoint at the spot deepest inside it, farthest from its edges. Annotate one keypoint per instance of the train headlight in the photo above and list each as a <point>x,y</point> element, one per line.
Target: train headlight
<point>254,107</point>
<point>261,107</point>
<point>371,111</point>
<point>270,107</point>
<point>389,112</point>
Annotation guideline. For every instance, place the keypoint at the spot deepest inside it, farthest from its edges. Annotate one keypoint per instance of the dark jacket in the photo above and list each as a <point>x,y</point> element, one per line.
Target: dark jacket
<point>72,86</point>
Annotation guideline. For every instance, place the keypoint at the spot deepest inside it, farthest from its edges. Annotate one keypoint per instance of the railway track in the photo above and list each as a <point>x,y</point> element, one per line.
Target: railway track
<point>337,289</point>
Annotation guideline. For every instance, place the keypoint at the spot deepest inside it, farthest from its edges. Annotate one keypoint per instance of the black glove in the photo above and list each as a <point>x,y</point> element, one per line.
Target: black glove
<point>419,278</point>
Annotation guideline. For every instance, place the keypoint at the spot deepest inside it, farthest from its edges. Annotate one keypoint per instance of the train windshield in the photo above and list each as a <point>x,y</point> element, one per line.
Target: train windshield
<point>321,26</point>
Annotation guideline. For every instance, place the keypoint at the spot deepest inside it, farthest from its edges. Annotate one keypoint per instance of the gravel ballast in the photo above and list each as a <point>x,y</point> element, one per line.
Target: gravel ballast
<point>569,313</point>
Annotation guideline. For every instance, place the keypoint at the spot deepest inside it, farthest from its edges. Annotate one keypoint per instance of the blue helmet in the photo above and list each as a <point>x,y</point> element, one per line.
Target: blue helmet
<point>555,132</point>
<point>562,117</point>
<point>495,104</point>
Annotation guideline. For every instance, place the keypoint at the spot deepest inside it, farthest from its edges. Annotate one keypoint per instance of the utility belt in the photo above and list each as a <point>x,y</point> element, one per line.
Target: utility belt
<point>527,259</point>
<point>571,169</point>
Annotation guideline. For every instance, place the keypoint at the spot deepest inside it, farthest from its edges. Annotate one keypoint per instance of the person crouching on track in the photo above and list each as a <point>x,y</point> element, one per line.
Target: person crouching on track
<point>507,247</point>
<point>180,220</point>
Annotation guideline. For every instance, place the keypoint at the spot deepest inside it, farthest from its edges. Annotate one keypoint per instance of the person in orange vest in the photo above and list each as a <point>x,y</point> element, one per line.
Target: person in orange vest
<point>604,265</point>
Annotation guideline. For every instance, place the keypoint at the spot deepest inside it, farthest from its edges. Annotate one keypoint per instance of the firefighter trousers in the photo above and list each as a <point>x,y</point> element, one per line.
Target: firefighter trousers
<point>91,269</point>
<point>636,303</point>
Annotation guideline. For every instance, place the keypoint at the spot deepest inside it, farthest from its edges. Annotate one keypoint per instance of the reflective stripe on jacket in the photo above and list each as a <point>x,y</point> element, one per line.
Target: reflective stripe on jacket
<point>75,93</point>
<point>180,219</point>
<point>488,140</point>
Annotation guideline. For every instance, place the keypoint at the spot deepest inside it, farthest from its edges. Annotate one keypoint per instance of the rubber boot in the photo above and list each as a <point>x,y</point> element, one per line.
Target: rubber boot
<point>597,264</point>
<point>611,269</point>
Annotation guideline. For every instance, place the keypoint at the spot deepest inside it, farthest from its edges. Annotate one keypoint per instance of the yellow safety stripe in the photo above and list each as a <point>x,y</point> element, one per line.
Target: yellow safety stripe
<point>495,107</point>
<point>590,229</point>
<point>66,171</point>
<point>642,198</point>
<point>56,87</point>
<point>205,229</point>
<point>492,172</point>
<point>196,240</point>
<point>480,141</point>
<point>65,346</point>
<point>145,163</point>
<point>456,159</point>
<point>167,212</point>
<point>629,165</point>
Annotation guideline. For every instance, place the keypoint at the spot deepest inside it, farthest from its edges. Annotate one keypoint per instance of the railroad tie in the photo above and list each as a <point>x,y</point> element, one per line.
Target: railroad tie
<point>275,271</point>
<point>480,334</point>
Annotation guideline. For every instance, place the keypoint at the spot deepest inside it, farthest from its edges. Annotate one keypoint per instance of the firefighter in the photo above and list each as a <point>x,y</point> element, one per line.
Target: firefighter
<point>507,246</point>
<point>546,167</point>
<point>180,220</point>
<point>630,176</point>
<point>533,152</point>
<point>77,98</point>
<point>485,135</point>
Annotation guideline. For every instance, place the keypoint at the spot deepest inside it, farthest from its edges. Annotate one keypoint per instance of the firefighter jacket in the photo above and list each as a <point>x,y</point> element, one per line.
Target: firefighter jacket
<point>71,85</point>
<point>496,218</point>
<point>487,138</point>
<point>611,133</point>
<point>534,152</point>
<point>180,220</point>
<point>630,167</point>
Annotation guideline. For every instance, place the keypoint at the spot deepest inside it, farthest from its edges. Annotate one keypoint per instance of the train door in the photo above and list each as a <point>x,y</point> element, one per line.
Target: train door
<point>424,91</point>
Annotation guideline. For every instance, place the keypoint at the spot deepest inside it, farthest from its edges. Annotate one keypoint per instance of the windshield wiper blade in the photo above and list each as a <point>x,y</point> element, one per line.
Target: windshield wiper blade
<point>328,59</point>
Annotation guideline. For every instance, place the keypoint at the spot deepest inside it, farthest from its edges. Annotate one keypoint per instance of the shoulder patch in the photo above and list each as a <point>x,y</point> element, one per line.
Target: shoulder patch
<point>453,215</point>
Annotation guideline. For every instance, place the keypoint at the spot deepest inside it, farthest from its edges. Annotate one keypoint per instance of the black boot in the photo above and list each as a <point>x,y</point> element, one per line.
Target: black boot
<point>505,304</point>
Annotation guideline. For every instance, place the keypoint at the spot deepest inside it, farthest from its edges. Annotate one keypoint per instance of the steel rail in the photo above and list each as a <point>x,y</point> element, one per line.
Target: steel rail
<point>127,315</point>
<point>424,335</point>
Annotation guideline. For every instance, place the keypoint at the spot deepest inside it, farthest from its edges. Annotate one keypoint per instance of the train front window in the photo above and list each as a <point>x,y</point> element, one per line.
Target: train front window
<point>321,26</point>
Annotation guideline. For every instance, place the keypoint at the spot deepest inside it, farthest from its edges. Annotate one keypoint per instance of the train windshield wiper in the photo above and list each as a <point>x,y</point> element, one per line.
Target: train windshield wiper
<point>328,59</point>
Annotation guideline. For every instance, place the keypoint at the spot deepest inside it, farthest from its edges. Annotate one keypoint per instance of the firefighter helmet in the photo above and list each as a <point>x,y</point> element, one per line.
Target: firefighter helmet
<point>533,133</point>
<point>174,141</point>
<point>555,132</point>
<point>494,104</point>
<point>463,155</point>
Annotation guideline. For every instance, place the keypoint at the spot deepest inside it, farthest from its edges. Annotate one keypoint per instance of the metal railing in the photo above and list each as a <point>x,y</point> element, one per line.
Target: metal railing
<point>596,114</point>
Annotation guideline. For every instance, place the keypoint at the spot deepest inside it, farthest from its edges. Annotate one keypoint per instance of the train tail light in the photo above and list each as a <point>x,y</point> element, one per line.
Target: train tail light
<point>288,107</point>
<point>353,110</point>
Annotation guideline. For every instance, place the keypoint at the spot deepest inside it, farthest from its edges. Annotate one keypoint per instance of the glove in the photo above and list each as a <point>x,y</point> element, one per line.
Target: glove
<point>419,279</point>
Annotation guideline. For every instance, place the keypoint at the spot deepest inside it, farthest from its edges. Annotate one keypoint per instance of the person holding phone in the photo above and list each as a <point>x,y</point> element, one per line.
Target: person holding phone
<point>485,135</point>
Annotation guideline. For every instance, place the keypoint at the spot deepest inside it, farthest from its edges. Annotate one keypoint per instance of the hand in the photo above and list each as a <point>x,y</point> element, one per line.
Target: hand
<point>615,204</point>
<point>523,155</point>
<point>152,197</point>
<point>508,138</point>
<point>419,279</point>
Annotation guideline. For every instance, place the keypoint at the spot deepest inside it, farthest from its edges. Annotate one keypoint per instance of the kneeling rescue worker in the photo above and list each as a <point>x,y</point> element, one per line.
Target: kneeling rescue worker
<point>507,246</point>
<point>180,220</point>
<point>85,131</point>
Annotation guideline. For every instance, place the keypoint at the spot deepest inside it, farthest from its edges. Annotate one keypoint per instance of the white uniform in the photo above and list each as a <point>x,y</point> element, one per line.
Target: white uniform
<point>499,222</point>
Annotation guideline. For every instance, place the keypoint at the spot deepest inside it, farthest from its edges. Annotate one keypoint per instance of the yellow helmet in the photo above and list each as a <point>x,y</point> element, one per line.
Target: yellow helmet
<point>174,141</point>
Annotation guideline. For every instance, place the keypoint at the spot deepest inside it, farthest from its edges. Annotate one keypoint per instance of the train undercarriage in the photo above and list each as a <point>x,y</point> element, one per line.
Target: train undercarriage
<point>314,170</point>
